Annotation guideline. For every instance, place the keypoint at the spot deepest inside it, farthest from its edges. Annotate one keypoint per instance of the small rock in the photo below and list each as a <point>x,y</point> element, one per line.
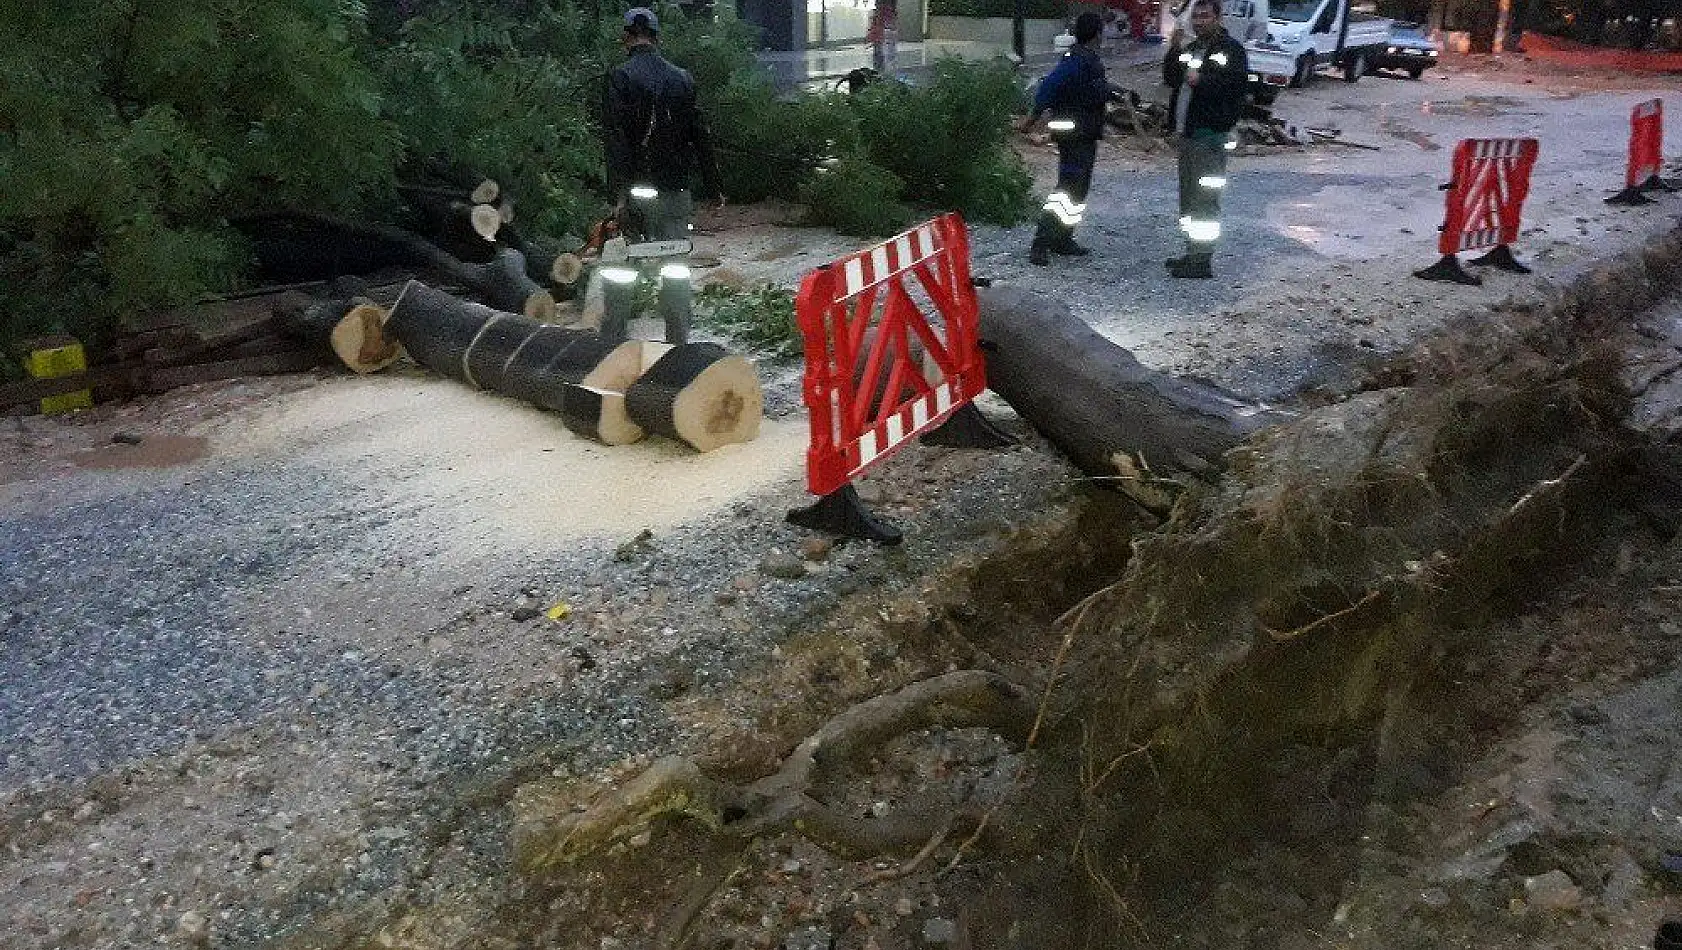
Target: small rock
<point>1552,891</point>
<point>522,614</point>
<point>725,598</point>
<point>791,866</point>
<point>632,549</point>
<point>816,549</point>
<point>193,926</point>
<point>126,438</point>
<point>641,839</point>
<point>1434,897</point>
<point>1584,714</point>
<point>939,931</point>
<point>880,810</point>
<point>785,566</point>
<point>585,660</point>
<point>904,908</point>
<point>870,493</point>
<point>86,811</point>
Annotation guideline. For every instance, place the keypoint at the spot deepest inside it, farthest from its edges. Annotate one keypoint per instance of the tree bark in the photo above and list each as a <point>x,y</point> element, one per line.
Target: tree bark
<point>1112,416</point>
<point>535,362</point>
<point>308,244</point>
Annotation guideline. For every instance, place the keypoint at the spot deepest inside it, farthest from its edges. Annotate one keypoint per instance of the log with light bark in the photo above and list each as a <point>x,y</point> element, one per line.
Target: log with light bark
<point>573,372</point>
<point>699,394</point>
<point>354,329</point>
<point>1115,418</point>
<point>293,242</point>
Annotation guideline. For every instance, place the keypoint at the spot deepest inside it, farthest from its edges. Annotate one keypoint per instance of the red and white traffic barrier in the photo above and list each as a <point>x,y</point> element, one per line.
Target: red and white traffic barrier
<point>1483,207</point>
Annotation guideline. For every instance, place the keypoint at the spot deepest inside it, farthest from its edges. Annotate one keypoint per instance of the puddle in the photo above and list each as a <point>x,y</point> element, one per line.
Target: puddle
<point>1478,107</point>
<point>158,451</point>
<point>1407,133</point>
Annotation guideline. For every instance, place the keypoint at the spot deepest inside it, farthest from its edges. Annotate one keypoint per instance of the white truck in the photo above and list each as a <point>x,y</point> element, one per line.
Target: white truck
<point>1304,35</point>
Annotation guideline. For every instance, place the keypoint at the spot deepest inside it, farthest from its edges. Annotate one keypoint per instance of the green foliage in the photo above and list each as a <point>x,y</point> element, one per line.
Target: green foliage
<point>508,98</point>
<point>768,147</point>
<point>854,196</point>
<point>133,128</point>
<point>945,140</point>
<point>1036,9</point>
<point>762,317</point>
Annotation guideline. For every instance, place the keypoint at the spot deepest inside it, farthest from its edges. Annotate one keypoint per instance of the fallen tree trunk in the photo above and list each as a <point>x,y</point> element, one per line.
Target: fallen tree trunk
<point>1112,416</point>
<point>303,243</point>
<point>353,329</point>
<point>699,394</point>
<point>535,362</point>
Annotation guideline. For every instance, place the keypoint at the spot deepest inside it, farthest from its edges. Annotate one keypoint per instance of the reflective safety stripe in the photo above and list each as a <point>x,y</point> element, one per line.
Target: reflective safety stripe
<point>1064,208</point>
<point>1230,145</point>
<point>1185,219</point>
<point>1212,181</point>
<point>619,275</point>
<point>674,272</point>
<point>1185,57</point>
<point>1061,125</point>
<point>1203,231</point>
<point>1195,64</point>
<point>1219,59</point>
<point>644,192</point>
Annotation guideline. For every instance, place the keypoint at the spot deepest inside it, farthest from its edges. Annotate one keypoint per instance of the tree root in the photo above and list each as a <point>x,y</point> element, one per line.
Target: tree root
<point>784,801</point>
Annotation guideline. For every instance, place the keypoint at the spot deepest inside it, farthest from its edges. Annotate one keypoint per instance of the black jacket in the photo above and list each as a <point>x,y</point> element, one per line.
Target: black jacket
<point>1223,76</point>
<point>655,133</point>
<point>1076,89</point>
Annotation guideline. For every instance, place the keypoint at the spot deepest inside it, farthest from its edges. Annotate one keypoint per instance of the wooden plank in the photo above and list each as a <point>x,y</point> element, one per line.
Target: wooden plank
<point>160,379</point>
<point>34,390</point>
<point>134,344</point>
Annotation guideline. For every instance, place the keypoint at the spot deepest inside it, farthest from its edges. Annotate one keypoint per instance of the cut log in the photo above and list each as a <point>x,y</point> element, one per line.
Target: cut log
<point>1112,416</point>
<point>539,363</point>
<point>320,244</point>
<point>598,414</point>
<point>353,329</point>
<point>700,394</point>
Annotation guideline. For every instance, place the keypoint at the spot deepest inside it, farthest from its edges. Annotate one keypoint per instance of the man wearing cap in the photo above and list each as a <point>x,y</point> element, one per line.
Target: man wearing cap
<point>1073,94</point>
<point>656,142</point>
<point>1209,76</point>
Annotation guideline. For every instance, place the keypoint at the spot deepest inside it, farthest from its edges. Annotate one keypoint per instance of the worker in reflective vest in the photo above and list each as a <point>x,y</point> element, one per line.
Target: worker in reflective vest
<point>656,141</point>
<point>1209,76</point>
<point>1073,96</point>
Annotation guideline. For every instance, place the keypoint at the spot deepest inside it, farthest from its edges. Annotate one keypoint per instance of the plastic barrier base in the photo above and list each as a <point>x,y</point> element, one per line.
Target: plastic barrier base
<point>1656,183</point>
<point>1629,197</point>
<point>1501,259</point>
<point>843,514</point>
<point>1449,270</point>
<point>967,429</point>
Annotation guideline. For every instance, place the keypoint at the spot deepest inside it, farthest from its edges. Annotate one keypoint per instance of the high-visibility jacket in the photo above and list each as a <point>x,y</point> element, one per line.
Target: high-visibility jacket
<point>1075,90</point>
<point>1223,73</point>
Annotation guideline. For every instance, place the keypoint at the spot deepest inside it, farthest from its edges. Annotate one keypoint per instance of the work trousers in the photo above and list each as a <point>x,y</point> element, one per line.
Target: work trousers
<point>1064,206</point>
<point>1202,179</point>
<point>665,216</point>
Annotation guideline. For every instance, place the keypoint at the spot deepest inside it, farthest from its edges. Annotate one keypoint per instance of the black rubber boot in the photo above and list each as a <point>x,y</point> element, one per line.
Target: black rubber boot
<point>1038,256</point>
<point>1069,248</point>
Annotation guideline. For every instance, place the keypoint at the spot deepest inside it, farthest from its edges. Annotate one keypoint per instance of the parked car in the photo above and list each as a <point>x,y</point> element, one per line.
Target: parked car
<point>1410,50</point>
<point>1305,35</point>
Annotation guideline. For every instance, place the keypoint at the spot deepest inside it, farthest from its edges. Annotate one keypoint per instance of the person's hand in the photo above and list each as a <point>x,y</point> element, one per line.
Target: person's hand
<point>1191,77</point>
<point>1025,124</point>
